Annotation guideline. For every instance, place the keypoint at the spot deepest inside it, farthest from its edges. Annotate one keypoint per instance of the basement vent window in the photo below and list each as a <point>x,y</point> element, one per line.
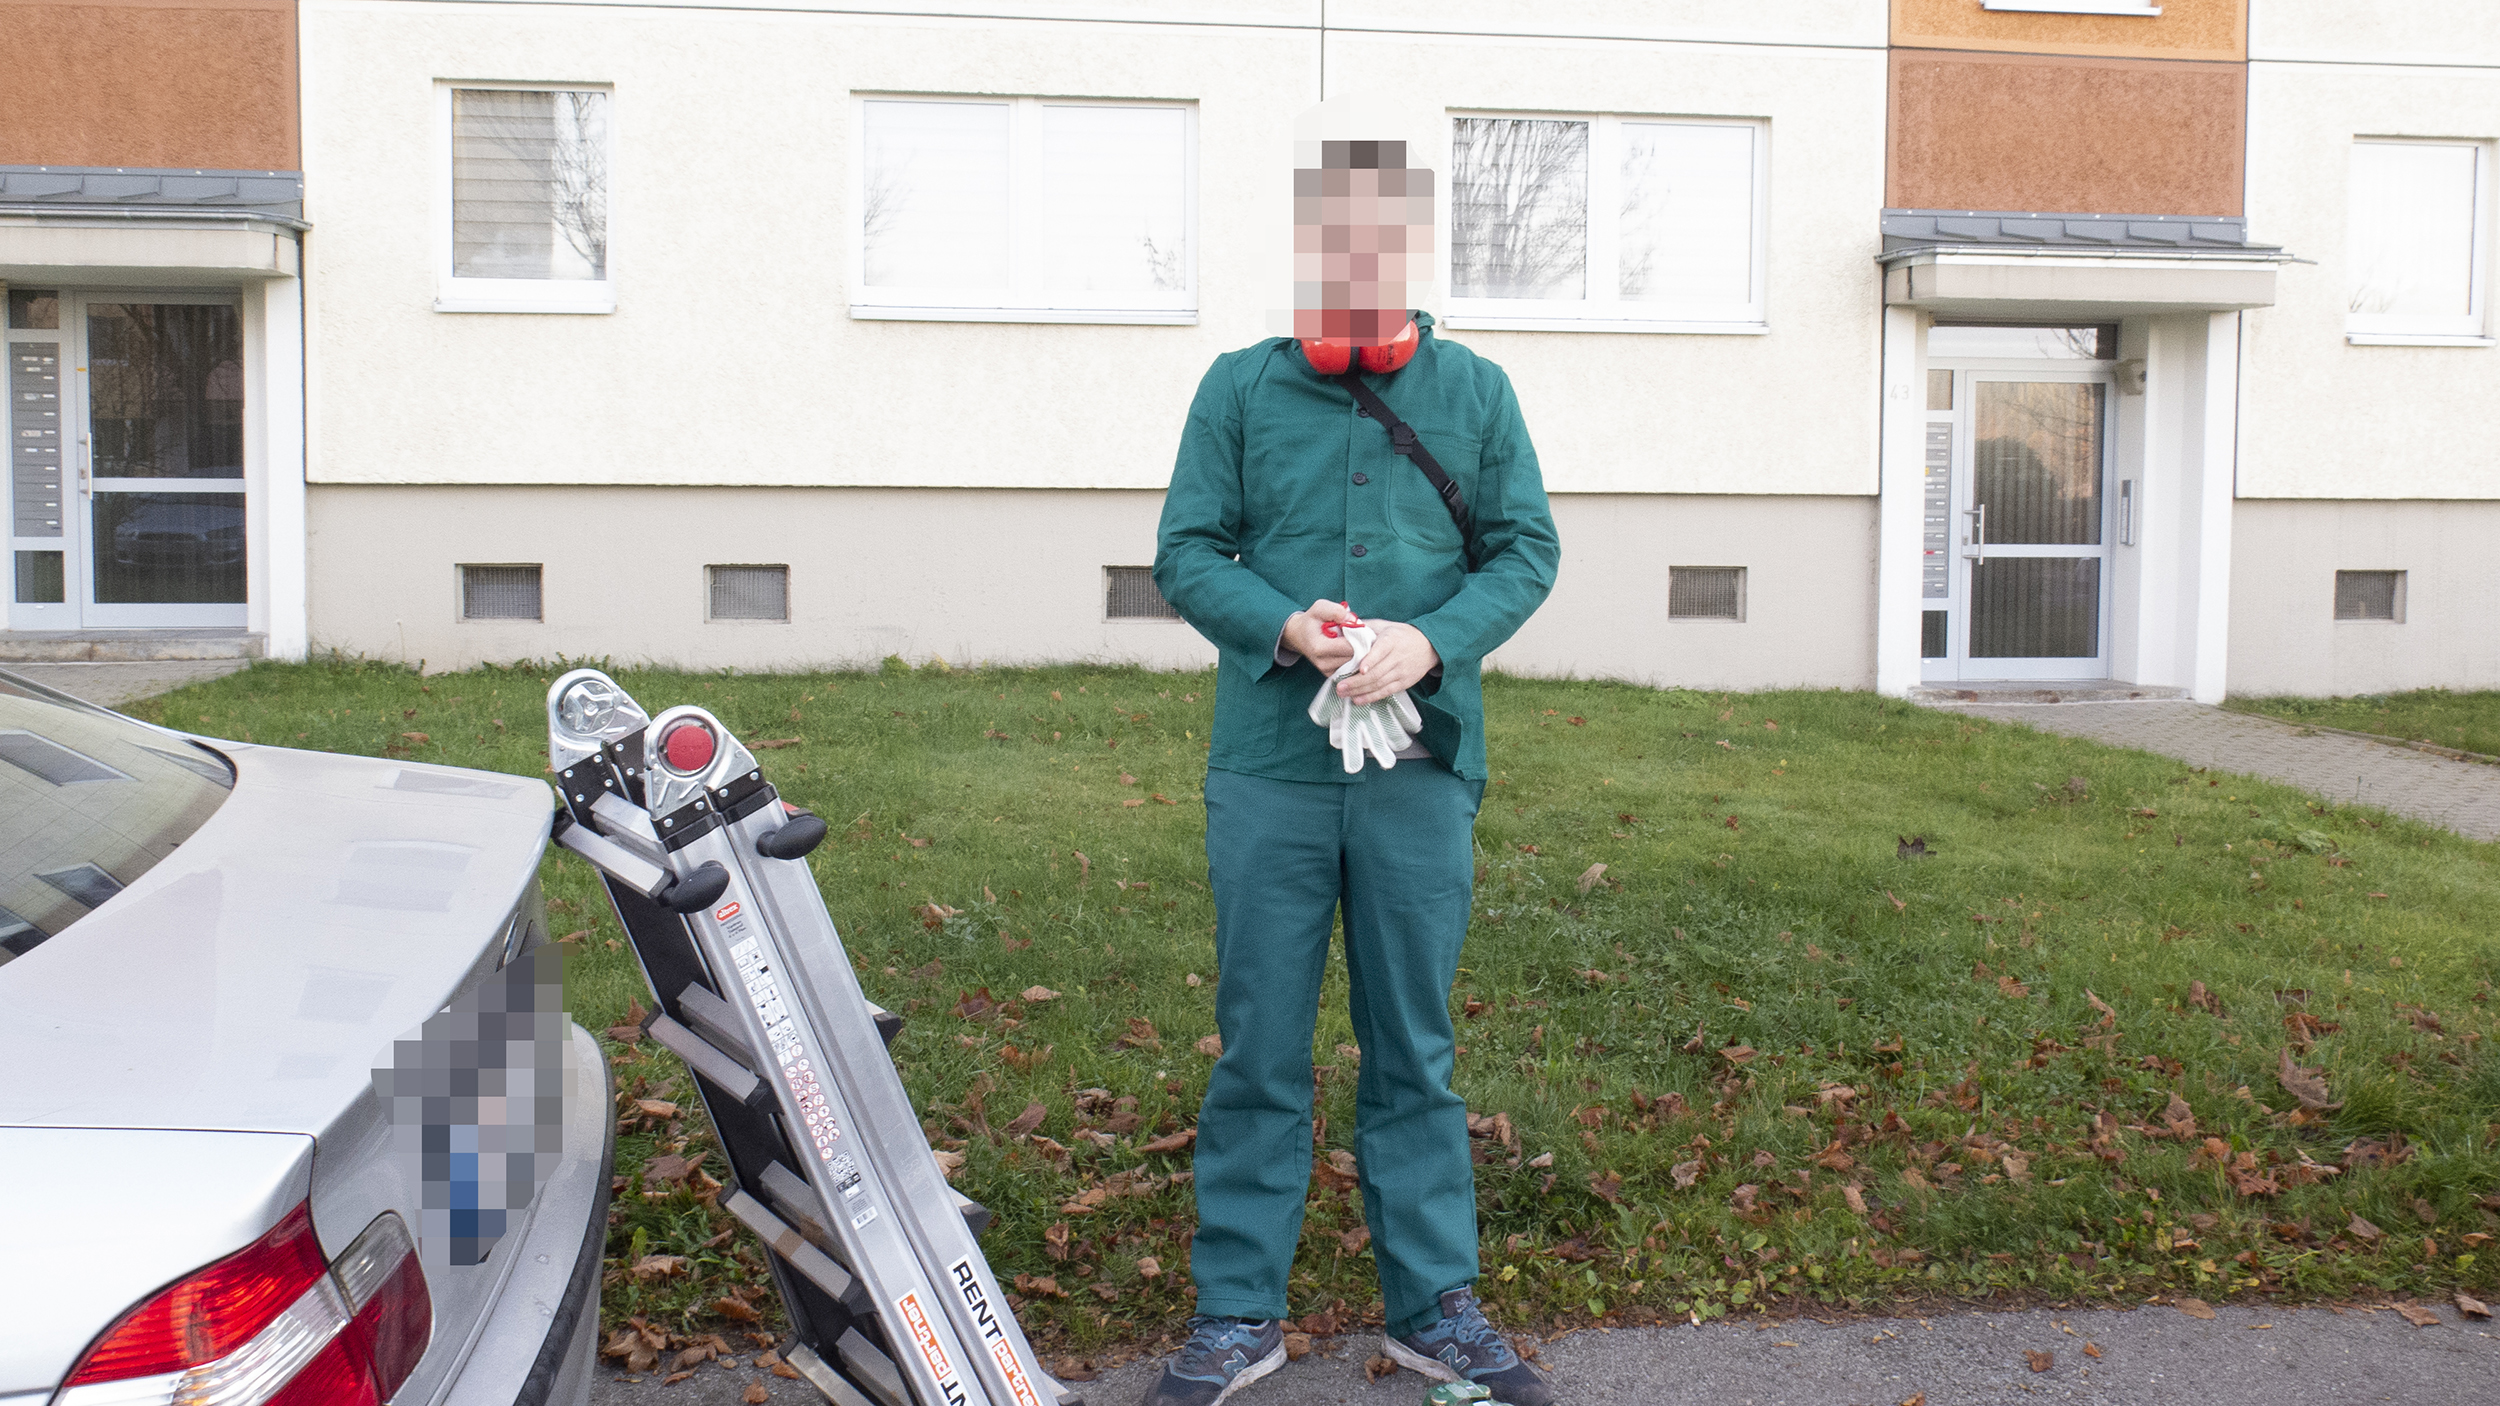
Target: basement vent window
<point>1129,593</point>
<point>749,592</point>
<point>2370,595</point>
<point>1705,593</point>
<point>501,592</point>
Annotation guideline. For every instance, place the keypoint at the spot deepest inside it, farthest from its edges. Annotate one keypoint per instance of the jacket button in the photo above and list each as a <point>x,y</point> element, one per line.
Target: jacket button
<point>1359,410</point>
<point>1358,549</point>
<point>1361,479</point>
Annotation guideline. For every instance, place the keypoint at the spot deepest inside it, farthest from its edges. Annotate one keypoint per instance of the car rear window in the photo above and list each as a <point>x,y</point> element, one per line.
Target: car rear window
<point>89,801</point>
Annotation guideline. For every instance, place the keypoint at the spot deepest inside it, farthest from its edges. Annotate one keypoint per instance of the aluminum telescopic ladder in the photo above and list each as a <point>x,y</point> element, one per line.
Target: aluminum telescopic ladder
<point>889,1296</point>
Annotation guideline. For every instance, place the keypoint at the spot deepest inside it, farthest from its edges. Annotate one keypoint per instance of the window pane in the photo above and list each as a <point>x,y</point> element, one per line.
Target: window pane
<point>1688,213</point>
<point>2036,452</point>
<point>2035,608</point>
<point>1111,200</point>
<point>2411,245</point>
<point>529,184</point>
<point>933,197</point>
<point>165,390</point>
<point>1519,208</point>
<point>168,548</point>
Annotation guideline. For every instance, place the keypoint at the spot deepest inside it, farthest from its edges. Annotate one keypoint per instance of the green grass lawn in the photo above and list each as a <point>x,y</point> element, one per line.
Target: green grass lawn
<point>2469,722</point>
<point>1767,1056</point>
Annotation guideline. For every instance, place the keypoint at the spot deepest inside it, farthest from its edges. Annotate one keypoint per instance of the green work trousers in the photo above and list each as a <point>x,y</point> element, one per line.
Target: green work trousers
<point>1395,851</point>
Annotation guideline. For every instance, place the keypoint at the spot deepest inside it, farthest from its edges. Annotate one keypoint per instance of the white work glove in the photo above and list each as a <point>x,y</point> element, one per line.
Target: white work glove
<point>1383,728</point>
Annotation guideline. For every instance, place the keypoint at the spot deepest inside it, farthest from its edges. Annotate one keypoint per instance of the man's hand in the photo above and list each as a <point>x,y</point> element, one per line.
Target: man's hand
<point>1399,659</point>
<point>1303,637</point>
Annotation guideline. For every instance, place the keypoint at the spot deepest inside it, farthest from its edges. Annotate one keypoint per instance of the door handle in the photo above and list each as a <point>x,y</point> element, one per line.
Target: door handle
<point>1978,539</point>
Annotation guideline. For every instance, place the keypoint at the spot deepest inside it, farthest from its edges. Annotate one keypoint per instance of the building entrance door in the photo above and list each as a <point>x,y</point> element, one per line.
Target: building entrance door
<point>125,430</point>
<point>2017,520</point>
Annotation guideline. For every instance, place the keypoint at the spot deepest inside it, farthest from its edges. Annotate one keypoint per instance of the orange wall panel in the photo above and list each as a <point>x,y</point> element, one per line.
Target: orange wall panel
<point>201,83</point>
<point>2072,136</point>
<point>2185,29</point>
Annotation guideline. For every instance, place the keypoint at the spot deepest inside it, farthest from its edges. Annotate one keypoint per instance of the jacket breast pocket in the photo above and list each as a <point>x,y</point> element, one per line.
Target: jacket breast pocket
<point>1416,511</point>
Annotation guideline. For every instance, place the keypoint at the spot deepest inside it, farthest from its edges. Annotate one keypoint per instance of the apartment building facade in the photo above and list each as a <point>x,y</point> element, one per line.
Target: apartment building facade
<point>1889,343</point>
<point>150,244</point>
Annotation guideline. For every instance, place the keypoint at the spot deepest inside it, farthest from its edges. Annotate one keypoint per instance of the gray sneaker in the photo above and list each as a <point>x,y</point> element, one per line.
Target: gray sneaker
<point>1463,1347</point>
<point>1222,1356</point>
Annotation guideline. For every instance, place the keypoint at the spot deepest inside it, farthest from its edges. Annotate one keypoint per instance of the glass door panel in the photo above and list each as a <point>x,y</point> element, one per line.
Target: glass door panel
<point>2035,608</point>
<point>2036,461</point>
<point>165,502</point>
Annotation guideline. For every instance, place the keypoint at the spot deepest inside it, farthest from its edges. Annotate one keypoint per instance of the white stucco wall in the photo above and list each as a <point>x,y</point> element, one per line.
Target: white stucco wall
<point>2284,634</point>
<point>1015,576</point>
<point>731,358</point>
<point>2321,418</point>
<point>2374,31</point>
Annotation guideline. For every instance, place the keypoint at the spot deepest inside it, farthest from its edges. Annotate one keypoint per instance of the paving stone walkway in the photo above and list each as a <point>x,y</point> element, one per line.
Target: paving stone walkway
<point>115,684</point>
<point>2462,796</point>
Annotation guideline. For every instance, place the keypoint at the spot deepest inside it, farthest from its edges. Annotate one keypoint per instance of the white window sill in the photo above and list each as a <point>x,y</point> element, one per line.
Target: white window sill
<point>2072,7</point>
<point>1148,317</point>
<point>572,305</point>
<point>2417,339</point>
<point>1479,322</point>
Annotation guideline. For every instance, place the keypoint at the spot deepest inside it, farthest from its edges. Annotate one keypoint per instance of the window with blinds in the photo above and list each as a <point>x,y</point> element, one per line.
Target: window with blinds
<point>529,200</point>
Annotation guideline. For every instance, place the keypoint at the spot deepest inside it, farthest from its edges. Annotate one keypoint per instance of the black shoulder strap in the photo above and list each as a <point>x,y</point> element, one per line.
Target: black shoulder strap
<point>1402,440</point>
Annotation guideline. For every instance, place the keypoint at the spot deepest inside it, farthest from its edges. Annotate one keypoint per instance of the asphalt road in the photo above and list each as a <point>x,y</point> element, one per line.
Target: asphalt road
<point>2149,1357</point>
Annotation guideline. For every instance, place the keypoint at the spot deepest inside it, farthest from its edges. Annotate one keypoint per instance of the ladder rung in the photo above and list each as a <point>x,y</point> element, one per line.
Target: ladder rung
<point>825,1379</point>
<point>706,1059</point>
<point>976,1216</point>
<point>715,1020</point>
<point>871,1369</point>
<point>889,1024</point>
<point>820,1268</point>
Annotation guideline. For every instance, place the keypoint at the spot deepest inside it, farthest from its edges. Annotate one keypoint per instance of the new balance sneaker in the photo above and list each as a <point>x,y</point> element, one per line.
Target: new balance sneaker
<point>1462,1347</point>
<point>1222,1356</point>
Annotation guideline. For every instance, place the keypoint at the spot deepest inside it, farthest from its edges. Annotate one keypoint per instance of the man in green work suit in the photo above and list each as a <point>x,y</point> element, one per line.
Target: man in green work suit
<point>1286,491</point>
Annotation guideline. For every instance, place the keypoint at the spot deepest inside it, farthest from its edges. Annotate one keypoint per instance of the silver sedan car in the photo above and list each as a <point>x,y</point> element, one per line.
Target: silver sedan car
<point>289,1107</point>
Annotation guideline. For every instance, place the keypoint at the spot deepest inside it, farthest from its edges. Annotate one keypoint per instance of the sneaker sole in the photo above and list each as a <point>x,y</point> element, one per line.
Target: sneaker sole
<point>1432,1368</point>
<point>1252,1373</point>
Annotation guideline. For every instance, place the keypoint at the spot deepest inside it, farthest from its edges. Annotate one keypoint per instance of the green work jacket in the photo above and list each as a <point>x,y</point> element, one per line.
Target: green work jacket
<point>1284,495</point>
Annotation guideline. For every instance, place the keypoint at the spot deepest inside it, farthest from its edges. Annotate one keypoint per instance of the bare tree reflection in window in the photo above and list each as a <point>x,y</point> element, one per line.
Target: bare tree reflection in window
<point>529,184</point>
<point>1519,208</point>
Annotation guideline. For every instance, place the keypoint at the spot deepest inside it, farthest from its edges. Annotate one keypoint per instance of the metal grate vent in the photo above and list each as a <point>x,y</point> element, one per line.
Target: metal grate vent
<point>2369,595</point>
<point>749,592</point>
<point>501,592</point>
<point>1705,593</point>
<point>1129,593</point>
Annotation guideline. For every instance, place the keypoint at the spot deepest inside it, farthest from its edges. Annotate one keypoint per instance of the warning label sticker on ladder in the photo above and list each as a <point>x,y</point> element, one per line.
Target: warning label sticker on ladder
<point>783,1034</point>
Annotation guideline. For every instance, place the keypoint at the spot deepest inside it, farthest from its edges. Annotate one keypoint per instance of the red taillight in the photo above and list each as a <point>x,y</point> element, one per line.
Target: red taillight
<point>211,1313</point>
<point>272,1324</point>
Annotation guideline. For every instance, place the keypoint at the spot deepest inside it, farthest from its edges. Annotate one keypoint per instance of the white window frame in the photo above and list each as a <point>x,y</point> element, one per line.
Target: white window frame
<point>2409,330</point>
<point>1022,300</point>
<point>1611,314</point>
<point>556,295</point>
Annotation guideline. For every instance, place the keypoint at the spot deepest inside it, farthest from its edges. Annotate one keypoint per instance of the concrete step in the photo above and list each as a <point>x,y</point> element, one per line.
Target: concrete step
<point>125,646</point>
<point>2043,691</point>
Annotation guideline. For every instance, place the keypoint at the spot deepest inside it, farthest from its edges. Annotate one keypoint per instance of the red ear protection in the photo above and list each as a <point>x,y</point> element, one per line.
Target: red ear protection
<point>1332,356</point>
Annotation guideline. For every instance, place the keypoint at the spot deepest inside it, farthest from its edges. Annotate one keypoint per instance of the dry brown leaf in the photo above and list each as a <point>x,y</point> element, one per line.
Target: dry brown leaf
<point>771,1362</point>
<point>1354,1241</point>
<point>2040,1361</point>
<point>755,1394</point>
<point>1141,1036</point>
<point>2196,1308</point>
<point>1148,1267</point>
<point>1686,1173</point>
<point>1172,1142</point>
<point>1918,1398</point>
<point>1855,1195</point>
<point>1030,1119</point>
<point>2364,1231</point>
<point>1035,995</point>
<point>1608,1187</point>
<point>1297,1346</point>
<point>658,1267</point>
<point>1212,1046</point>
<point>1590,877</point>
<point>674,1378</point>
<point>2092,1349</point>
<point>1377,1366</point>
<point>2471,1306</point>
<point>2304,1084</point>
<point>1542,1160</point>
<point>2419,1315</point>
<point>949,1162</point>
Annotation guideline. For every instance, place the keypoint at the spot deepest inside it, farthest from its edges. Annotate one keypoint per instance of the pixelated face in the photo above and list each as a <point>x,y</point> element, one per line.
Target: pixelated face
<point>1362,235</point>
